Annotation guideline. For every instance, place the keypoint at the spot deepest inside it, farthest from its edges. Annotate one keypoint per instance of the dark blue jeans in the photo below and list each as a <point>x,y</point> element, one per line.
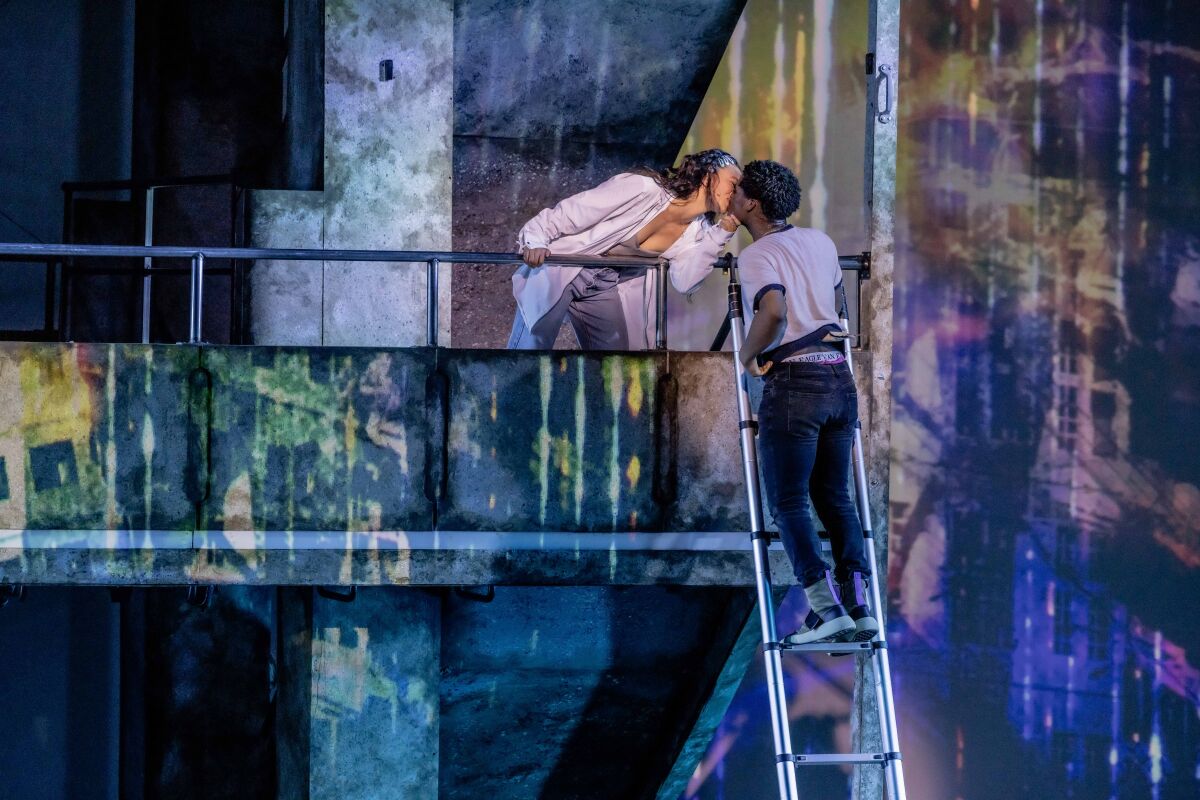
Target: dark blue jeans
<point>806,431</point>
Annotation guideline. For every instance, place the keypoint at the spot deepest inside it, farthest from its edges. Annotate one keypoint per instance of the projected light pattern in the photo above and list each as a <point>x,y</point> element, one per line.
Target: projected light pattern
<point>1046,516</point>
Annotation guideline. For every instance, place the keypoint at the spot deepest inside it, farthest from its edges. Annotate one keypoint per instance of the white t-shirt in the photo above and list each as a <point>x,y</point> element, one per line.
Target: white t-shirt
<point>803,262</point>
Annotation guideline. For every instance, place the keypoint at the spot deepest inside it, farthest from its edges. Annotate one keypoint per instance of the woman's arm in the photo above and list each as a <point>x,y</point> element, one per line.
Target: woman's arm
<point>582,211</point>
<point>692,266</point>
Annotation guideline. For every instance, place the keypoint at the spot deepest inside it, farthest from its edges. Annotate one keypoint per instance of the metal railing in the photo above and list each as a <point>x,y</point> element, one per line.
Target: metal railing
<point>148,189</point>
<point>431,258</point>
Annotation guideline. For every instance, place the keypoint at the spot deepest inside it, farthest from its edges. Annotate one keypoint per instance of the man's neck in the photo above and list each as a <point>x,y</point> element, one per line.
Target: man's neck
<point>760,227</point>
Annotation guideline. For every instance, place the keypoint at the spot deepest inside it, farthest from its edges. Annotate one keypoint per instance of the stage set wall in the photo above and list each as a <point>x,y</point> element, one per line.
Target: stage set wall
<point>1044,528</point>
<point>1045,516</point>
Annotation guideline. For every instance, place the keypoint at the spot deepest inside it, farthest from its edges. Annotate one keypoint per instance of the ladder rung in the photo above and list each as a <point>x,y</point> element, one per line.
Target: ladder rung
<point>829,648</point>
<point>821,759</point>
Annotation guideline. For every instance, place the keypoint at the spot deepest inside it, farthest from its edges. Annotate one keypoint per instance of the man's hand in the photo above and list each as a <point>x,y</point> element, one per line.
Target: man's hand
<point>535,256</point>
<point>729,222</point>
<point>754,370</point>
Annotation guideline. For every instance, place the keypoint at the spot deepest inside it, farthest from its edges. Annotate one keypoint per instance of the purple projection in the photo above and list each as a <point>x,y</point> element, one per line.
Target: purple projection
<point>1045,522</point>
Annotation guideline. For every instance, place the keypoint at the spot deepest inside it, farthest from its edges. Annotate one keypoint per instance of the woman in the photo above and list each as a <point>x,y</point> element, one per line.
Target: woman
<point>678,214</point>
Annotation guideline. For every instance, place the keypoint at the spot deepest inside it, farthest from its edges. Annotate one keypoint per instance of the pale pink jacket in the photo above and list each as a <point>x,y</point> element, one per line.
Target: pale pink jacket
<point>591,222</point>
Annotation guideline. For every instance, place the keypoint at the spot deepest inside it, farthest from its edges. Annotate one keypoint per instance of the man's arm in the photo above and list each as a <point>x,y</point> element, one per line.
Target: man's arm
<point>770,321</point>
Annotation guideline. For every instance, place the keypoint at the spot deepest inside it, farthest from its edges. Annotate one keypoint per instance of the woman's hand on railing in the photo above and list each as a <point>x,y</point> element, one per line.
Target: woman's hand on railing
<point>535,256</point>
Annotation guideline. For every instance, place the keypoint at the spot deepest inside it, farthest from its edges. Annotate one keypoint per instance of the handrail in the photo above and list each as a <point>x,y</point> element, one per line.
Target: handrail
<point>288,254</point>
<point>147,183</point>
<point>432,258</point>
<point>19,249</point>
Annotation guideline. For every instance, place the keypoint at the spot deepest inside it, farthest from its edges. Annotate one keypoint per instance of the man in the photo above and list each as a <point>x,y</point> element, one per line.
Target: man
<point>809,407</point>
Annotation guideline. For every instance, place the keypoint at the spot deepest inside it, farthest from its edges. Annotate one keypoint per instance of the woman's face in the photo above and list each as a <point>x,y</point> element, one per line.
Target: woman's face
<point>721,189</point>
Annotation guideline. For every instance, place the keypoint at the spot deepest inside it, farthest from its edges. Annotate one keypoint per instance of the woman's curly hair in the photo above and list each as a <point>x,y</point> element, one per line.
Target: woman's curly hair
<point>686,179</point>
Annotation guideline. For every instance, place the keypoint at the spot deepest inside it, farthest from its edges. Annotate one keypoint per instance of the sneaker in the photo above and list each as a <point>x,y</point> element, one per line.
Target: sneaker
<point>827,620</point>
<point>853,593</point>
<point>834,626</point>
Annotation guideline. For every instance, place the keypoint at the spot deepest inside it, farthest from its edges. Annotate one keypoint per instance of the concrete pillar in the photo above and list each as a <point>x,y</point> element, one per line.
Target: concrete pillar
<point>374,714</point>
<point>358,707</point>
<point>387,185</point>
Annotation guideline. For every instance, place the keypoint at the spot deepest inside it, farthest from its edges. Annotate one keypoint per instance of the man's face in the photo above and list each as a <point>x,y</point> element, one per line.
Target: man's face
<point>740,205</point>
<point>725,182</point>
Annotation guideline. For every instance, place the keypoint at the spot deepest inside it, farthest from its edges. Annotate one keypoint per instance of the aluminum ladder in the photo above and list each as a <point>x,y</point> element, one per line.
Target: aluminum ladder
<point>773,649</point>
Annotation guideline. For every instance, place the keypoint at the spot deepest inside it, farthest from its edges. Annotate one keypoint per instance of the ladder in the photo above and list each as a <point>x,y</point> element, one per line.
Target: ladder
<point>773,649</point>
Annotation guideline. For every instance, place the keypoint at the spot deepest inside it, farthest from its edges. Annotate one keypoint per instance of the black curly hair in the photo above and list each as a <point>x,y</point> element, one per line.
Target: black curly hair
<point>686,179</point>
<point>774,186</point>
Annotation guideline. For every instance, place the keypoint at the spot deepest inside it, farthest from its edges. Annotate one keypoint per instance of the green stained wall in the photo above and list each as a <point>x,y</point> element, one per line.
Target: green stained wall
<point>133,463</point>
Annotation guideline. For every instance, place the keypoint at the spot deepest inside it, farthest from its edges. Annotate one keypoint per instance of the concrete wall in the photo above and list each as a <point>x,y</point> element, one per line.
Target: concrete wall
<point>386,185</point>
<point>161,464</point>
<point>549,101</point>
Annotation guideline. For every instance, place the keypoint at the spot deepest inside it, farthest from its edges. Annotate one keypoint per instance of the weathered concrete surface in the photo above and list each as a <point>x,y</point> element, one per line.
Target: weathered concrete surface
<point>549,101</point>
<point>387,163</point>
<point>541,442</point>
<point>374,711</point>
<point>376,563</point>
<point>286,296</point>
<point>94,437</point>
<point>387,174</point>
<point>578,692</point>
<point>299,466</point>
<point>324,439</point>
<point>877,399</point>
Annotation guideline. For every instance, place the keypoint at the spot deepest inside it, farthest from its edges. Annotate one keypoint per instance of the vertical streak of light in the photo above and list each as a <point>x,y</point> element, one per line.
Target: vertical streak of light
<point>1027,659</point>
<point>1114,758</point>
<point>615,365</point>
<point>148,444</point>
<point>733,118</point>
<point>1035,167</point>
<point>110,448</point>
<point>994,46</point>
<point>822,68</point>
<point>778,89</point>
<point>580,434</point>
<point>1037,80</point>
<point>1166,142</point>
<point>1155,744</point>
<point>545,374</point>
<point>1122,162</point>
<point>798,75</point>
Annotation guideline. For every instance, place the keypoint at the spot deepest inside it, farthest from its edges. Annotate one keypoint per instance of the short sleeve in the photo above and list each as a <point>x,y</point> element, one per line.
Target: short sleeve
<point>758,276</point>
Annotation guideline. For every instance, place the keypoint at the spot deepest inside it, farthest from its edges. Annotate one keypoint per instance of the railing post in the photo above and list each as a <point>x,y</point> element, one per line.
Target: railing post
<point>660,305</point>
<point>197,298</point>
<point>431,302</point>
<point>147,263</point>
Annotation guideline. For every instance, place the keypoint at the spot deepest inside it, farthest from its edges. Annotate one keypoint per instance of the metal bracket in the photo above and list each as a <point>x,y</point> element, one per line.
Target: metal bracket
<point>884,79</point>
<point>11,591</point>
<point>341,597</point>
<point>487,595</point>
<point>864,269</point>
<point>200,596</point>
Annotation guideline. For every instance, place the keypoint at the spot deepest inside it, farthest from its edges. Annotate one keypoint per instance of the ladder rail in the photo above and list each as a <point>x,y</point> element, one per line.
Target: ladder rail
<point>785,768</point>
<point>881,668</point>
